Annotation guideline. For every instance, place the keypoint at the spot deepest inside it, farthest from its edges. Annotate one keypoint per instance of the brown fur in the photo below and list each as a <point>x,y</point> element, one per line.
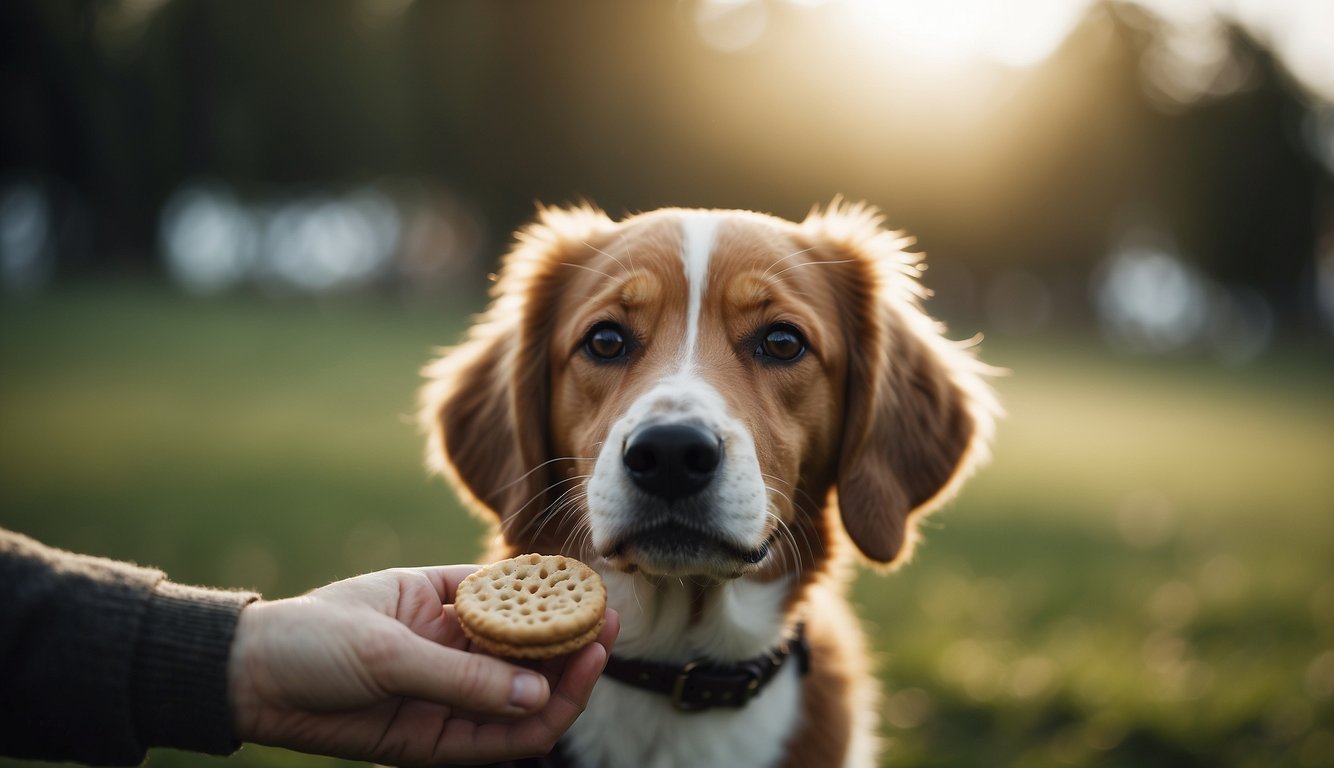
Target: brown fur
<point>876,429</point>
<point>837,690</point>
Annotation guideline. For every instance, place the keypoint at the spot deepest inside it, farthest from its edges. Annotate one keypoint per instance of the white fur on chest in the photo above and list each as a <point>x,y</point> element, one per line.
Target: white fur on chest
<point>625,726</point>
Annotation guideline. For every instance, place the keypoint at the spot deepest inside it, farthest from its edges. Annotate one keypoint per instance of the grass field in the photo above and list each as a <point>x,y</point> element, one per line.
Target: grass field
<point>1143,576</point>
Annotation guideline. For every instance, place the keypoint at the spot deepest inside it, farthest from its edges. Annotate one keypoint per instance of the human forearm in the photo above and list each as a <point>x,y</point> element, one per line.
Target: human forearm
<point>101,660</point>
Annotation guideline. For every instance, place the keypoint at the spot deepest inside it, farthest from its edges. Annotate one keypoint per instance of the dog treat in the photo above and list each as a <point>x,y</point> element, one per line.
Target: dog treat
<point>532,606</point>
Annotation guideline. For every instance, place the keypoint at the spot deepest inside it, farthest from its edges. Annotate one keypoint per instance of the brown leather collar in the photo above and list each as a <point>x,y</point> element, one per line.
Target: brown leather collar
<point>703,684</point>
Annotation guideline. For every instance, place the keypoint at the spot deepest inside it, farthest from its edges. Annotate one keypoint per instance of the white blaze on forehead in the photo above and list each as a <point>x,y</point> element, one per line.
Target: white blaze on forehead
<point>698,230</point>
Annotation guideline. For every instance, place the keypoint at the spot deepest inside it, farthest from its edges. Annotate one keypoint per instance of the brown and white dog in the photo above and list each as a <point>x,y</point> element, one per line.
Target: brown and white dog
<point>705,406</point>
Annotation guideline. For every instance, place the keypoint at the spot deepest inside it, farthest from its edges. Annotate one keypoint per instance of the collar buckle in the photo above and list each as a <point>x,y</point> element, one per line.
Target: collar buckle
<point>679,687</point>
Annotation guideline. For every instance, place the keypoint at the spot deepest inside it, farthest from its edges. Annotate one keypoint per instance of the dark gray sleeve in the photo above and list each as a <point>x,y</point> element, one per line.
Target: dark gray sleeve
<point>100,660</point>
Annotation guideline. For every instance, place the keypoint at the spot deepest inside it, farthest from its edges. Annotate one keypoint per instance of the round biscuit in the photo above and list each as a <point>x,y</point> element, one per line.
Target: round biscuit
<point>532,606</point>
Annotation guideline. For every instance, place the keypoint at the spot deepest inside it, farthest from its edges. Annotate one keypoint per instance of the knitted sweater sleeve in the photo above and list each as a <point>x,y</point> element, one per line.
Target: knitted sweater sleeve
<point>100,660</point>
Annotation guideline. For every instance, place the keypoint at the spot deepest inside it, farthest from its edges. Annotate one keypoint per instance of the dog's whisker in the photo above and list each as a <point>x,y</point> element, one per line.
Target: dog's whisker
<point>785,533</point>
<point>518,513</point>
<point>579,531</point>
<point>811,505</point>
<point>588,268</point>
<point>545,513</point>
<point>548,462</point>
<point>571,543</point>
<point>780,528</point>
<point>787,498</point>
<point>811,264</point>
<point>608,255</point>
<point>792,255</point>
<point>563,503</point>
<point>805,539</point>
<point>556,512</point>
<point>586,541</point>
<point>634,592</point>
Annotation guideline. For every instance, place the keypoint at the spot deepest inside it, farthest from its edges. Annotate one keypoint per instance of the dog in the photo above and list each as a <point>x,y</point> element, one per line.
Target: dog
<point>716,410</point>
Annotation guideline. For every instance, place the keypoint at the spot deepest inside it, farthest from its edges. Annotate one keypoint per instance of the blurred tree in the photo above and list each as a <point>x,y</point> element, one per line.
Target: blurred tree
<point>1241,190</point>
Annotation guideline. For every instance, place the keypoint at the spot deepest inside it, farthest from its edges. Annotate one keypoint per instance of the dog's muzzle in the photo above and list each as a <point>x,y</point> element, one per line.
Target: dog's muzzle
<point>675,501</point>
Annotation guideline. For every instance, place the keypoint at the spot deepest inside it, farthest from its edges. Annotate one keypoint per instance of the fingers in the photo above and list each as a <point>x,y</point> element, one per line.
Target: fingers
<point>572,691</point>
<point>446,578</point>
<point>417,668</point>
<point>575,686</point>
<point>478,738</point>
<point>567,701</point>
<point>538,733</point>
<point>450,631</point>
<point>611,628</point>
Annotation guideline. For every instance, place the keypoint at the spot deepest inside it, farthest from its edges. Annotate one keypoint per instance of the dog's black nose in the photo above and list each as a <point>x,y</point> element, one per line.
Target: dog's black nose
<point>672,461</point>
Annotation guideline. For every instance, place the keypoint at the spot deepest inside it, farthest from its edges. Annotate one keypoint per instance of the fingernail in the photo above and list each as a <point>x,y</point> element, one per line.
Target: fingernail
<point>526,691</point>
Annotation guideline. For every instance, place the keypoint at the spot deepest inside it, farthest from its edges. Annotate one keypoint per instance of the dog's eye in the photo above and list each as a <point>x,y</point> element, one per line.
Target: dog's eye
<point>606,341</point>
<point>782,343</point>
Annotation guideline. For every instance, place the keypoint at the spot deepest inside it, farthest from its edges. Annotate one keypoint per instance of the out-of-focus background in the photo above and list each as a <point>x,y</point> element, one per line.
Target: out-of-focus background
<point>231,231</point>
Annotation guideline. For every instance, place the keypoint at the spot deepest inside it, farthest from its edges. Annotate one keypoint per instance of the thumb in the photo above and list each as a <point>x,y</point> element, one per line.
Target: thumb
<point>420,669</point>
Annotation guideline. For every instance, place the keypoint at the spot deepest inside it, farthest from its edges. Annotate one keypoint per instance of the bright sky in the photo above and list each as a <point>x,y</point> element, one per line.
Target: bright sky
<point>946,34</point>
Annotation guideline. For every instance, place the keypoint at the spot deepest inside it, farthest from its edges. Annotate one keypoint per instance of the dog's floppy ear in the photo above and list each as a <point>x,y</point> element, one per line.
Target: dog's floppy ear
<point>485,404</point>
<point>918,414</point>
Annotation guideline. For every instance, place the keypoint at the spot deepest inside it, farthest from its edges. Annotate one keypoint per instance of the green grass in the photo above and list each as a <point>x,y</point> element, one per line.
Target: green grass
<point>1143,576</point>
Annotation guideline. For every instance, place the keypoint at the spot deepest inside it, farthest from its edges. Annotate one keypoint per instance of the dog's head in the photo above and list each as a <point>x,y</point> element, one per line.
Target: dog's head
<point>692,393</point>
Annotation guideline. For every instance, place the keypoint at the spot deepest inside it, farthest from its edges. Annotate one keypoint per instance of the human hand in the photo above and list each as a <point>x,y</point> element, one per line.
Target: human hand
<point>377,668</point>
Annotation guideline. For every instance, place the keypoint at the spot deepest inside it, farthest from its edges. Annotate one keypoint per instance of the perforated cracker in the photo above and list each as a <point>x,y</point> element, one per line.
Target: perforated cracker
<point>532,606</point>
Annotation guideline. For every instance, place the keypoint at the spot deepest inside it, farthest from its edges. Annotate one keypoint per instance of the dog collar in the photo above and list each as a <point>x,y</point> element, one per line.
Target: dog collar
<point>703,684</point>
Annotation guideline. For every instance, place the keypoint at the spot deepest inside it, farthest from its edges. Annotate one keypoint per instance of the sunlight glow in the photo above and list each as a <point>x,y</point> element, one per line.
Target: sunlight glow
<point>1019,33</point>
<point>1031,31</point>
<point>944,31</point>
<point>731,25</point>
<point>1188,58</point>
